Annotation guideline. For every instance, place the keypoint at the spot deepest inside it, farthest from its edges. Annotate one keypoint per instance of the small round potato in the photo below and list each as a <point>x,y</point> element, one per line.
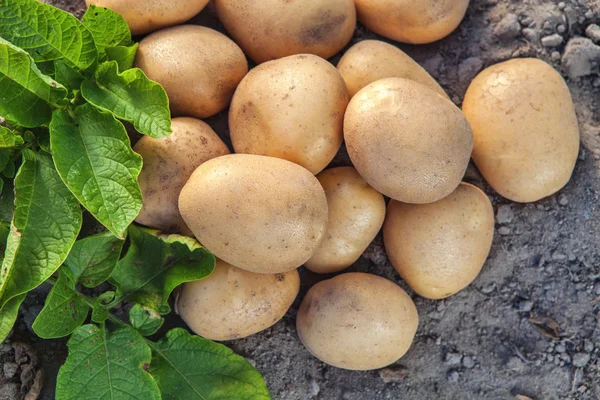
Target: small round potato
<point>168,163</point>
<point>272,29</point>
<point>258,213</point>
<point>407,141</point>
<point>525,128</point>
<point>356,213</point>
<point>440,248</point>
<point>357,321</point>
<point>150,15</point>
<point>410,21</point>
<point>371,60</point>
<point>292,108</point>
<point>233,303</point>
<point>198,67</point>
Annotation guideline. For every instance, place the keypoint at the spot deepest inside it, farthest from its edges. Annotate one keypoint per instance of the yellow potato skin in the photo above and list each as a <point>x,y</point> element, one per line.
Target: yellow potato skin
<point>150,15</point>
<point>357,321</point>
<point>168,163</point>
<point>198,67</point>
<point>371,60</point>
<point>440,248</point>
<point>292,108</point>
<point>410,21</point>
<point>356,214</point>
<point>233,303</point>
<point>407,141</point>
<point>272,29</point>
<point>525,129</point>
<point>258,213</point>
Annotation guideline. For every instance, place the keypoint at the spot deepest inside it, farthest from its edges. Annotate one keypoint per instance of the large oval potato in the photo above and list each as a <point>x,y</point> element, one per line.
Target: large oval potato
<point>410,21</point>
<point>371,60</point>
<point>233,303</point>
<point>168,163</point>
<point>525,128</point>
<point>272,29</point>
<point>198,67</point>
<point>292,108</point>
<point>356,213</point>
<point>407,141</point>
<point>258,213</point>
<point>357,321</point>
<point>150,15</point>
<point>440,248</point>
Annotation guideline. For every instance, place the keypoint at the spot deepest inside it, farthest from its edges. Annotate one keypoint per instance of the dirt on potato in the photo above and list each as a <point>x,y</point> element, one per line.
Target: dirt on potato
<point>530,323</point>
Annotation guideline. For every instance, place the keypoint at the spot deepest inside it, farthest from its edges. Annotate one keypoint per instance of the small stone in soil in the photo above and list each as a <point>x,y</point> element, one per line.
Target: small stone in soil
<point>553,40</point>
<point>563,200</point>
<point>531,35</point>
<point>314,387</point>
<point>593,32</point>
<point>453,376</point>
<point>525,305</point>
<point>488,289</point>
<point>395,374</point>
<point>588,346</point>
<point>504,231</point>
<point>505,214</point>
<point>580,56</point>
<point>508,27</point>
<point>10,369</point>
<point>468,362</point>
<point>580,360</point>
<point>453,358</point>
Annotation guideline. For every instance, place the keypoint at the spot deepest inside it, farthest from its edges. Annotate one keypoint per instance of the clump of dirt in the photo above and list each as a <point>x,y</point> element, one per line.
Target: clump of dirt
<point>528,327</point>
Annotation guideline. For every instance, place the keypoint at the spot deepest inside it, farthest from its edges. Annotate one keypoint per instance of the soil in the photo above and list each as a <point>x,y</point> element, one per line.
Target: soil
<point>530,324</point>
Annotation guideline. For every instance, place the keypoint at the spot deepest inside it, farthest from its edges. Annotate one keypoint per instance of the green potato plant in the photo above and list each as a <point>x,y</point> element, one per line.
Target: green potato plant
<point>65,86</point>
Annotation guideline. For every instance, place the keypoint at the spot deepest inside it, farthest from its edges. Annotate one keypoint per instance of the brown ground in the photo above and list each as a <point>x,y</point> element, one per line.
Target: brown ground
<point>529,324</point>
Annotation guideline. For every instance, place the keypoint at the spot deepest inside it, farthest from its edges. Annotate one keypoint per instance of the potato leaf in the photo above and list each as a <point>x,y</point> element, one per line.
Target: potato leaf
<point>64,310</point>
<point>9,138</point>
<point>7,206</point>
<point>93,258</point>
<point>106,365</point>
<point>145,320</point>
<point>28,96</point>
<point>155,264</point>
<point>8,315</point>
<point>130,96</point>
<point>46,222</point>
<point>47,33</point>
<point>94,158</point>
<point>107,27</point>
<point>123,55</point>
<point>67,75</point>
<point>221,375</point>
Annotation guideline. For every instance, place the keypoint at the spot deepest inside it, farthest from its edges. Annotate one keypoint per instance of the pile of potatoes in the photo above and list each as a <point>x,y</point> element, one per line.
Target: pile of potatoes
<point>273,206</point>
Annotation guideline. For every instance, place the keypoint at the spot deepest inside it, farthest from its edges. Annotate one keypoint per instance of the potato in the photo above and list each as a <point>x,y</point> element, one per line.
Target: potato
<point>168,163</point>
<point>407,141</point>
<point>440,248</point>
<point>292,108</point>
<point>198,67</point>
<point>410,21</point>
<point>356,213</point>
<point>233,303</point>
<point>150,15</point>
<point>258,213</point>
<point>272,29</point>
<point>371,60</point>
<point>357,321</point>
<point>525,128</point>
